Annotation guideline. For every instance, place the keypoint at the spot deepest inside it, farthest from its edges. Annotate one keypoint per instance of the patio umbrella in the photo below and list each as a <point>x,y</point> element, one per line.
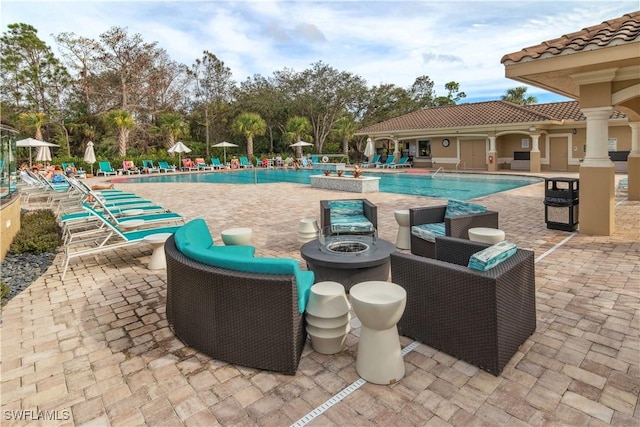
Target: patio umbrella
<point>30,142</point>
<point>225,144</point>
<point>298,145</point>
<point>90,155</point>
<point>44,154</point>
<point>179,148</point>
<point>370,149</point>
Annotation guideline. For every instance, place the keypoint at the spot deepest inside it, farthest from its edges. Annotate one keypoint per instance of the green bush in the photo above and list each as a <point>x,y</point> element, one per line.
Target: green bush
<point>4,291</point>
<point>38,233</point>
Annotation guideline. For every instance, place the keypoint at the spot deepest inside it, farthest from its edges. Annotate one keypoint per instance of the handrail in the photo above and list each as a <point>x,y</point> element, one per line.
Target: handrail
<point>436,172</point>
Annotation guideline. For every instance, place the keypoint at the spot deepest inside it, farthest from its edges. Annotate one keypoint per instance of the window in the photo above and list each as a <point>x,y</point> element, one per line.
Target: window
<point>424,147</point>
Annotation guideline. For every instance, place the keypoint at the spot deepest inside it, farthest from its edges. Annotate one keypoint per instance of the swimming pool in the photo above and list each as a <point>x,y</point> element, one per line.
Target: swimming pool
<point>444,185</point>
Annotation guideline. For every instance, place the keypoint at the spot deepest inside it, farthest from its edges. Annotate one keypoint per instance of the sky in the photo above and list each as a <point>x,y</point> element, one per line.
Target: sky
<point>381,41</point>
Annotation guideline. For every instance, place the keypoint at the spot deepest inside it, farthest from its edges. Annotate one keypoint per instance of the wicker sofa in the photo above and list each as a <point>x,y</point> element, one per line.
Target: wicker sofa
<point>454,227</point>
<point>481,317</point>
<point>252,319</point>
<point>357,216</point>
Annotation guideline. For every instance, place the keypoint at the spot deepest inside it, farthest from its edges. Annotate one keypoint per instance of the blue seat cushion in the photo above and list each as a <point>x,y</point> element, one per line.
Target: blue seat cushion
<point>492,256</point>
<point>429,232</point>
<point>458,208</point>
<point>353,223</point>
<point>196,233</point>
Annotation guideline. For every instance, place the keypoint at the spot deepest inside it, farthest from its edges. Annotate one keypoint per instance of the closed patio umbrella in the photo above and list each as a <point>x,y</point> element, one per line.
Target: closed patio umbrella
<point>225,144</point>
<point>90,155</point>
<point>44,154</point>
<point>370,149</point>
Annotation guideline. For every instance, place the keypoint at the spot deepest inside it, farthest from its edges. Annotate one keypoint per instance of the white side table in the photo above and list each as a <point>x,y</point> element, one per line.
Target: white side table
<point>486,235</point>
<point>307,230</point>
<point>403,240</point>
<point>158,260</point>
<point>379,306</point>
<point>328,317</point>
<point>236,236</point>
<point>131,224</point>
<point>132,212</point>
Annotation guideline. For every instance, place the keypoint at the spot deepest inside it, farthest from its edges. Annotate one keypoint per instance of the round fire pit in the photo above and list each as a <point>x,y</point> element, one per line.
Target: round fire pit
<point>348,247</point>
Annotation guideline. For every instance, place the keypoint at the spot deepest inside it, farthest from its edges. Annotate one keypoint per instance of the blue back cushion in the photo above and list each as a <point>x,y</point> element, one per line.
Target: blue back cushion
<point>458,208</point>
<point>196,233</point>
<point>492,256</point>
<point>340,208</point>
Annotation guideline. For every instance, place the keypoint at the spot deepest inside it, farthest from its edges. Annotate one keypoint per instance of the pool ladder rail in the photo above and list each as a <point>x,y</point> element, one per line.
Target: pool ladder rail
<point>436,172</point>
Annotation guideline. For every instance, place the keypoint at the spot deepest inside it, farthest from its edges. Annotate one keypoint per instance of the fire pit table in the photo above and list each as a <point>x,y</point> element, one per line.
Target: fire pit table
<point>348,259</point>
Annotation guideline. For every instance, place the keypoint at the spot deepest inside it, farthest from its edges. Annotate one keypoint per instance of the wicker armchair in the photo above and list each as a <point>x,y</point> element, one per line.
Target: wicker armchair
<point>454,227</point>
<point>369,210</point>
<point>242,318</point>
<point>481,317</point>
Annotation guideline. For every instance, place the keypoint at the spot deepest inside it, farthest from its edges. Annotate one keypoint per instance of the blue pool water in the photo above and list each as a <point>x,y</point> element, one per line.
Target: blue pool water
<point>444,185</point>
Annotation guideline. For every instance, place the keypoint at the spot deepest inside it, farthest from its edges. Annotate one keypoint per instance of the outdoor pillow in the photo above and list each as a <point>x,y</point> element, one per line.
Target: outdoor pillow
<point>195,232</point>
<point>492,256</point>
<point>429,231</point>
<point>458,208</point>
<point>340,208</point>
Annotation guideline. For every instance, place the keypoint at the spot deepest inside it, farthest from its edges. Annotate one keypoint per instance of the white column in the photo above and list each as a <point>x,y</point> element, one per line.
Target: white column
<point>597,154</point>
<point>534,142</point>
<point>396,152</point>
<point>635,139</point>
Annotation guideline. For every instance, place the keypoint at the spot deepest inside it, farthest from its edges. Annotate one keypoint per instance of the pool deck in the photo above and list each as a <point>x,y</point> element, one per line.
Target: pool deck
<point>97,348</point>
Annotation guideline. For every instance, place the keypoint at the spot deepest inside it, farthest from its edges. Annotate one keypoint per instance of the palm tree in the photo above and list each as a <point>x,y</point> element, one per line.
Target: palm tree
<point>172,125</point>
<point>33,122</point>
<point>517,95</point>
<point>296,129</point>
<point>249,125</point>
<point>121,121</point>
<point>345,128</point>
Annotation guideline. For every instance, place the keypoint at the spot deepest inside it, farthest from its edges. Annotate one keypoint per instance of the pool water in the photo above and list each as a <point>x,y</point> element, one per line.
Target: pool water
<point>444,185</point>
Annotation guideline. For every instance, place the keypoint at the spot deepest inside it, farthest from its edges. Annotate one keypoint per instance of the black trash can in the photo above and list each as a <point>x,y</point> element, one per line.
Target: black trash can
<point>561,200</point>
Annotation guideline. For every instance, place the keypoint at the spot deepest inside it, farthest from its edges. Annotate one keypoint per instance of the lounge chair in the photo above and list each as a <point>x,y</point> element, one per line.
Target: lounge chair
<point>188,165</point>
<point>129,167</point>
<point>215,162</point>
<point>202,165</point>
<point>374,161</point>
<point>149,167</point>
<point>105,169</point>
<point>112,238</point>
<point>164,167</point>
<point>245,163</point>
<point>388,163</point>
<point>481,317</point>
<point>402,163</point>
<point>623,186</point>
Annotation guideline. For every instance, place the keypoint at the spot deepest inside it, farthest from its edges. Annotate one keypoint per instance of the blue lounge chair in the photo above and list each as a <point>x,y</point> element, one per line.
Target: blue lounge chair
<point>164,167</point>
<point>374,160</point>
<point>402,163</point>
<point>245,163</point>
<point>105,169</point>
<point>215,162</point>
<point>389,161</point>
<point>149,166</point>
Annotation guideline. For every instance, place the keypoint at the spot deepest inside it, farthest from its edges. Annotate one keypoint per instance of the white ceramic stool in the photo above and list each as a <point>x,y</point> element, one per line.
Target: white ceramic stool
<point>328,317</point>
<point>236,236</point>
<point>307,230</point>
<point>486,235</point>
<point>403,240</point>
<point>379,306</point>
<point>158,260</point>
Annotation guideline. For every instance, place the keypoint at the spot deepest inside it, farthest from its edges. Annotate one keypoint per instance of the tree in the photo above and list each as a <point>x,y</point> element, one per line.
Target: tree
<point>249,125</point>
<point>517,95</point>
<point>31,75</point>
<point>214,88</point>
<point>33,122</point>
<point>453,95</point>
<point>298,127</point>
<point>422,93</point>
<point>122,122</point>
<point>345,128</point>
<point>173,127</point>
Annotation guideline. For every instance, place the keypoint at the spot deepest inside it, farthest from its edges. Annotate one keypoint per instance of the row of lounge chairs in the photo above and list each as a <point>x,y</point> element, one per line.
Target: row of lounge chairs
<point>388,163</point>
<point>188,165</point>
<point>93,221</point>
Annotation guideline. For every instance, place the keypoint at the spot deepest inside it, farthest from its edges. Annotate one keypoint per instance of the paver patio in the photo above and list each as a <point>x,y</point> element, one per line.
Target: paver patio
<point>96,349</point>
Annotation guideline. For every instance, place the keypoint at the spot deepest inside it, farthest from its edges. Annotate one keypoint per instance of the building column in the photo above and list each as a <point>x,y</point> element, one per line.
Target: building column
<point>396,152</point>
<point>534,154</point>
<point>633,163</point>
<point>597,177</point>
<point>492,160</point>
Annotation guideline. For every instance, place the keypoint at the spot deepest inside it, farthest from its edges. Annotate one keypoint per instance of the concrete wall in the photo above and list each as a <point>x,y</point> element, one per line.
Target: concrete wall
<point>9,223</point>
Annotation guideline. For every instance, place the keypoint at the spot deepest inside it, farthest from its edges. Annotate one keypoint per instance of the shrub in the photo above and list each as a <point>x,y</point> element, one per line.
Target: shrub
<point>5,290</point>
<point>38,233</point>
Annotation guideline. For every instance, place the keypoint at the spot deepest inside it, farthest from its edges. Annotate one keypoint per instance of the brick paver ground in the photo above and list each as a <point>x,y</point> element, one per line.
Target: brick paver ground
<point>96,349</point>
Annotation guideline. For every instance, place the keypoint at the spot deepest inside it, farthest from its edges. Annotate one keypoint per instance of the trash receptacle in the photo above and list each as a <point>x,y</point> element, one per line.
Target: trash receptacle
<point>561,201</point>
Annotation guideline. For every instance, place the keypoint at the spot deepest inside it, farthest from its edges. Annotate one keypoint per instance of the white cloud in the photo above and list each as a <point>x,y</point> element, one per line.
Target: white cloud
<point>381,41</point>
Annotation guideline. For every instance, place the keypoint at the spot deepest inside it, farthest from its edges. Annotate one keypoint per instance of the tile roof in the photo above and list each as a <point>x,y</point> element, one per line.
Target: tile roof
<point>616,31</point>
<point>481,114</point>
